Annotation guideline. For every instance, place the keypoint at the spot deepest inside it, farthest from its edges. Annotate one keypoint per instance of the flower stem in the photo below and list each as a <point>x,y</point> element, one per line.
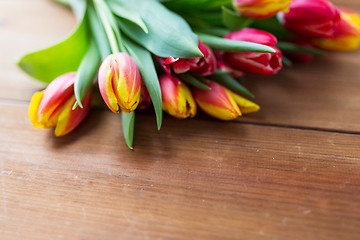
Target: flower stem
<point>103,12</point>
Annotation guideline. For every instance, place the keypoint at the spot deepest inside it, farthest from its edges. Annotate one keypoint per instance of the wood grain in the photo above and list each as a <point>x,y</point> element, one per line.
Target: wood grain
<point>237,181</point>
<point>291,171</point>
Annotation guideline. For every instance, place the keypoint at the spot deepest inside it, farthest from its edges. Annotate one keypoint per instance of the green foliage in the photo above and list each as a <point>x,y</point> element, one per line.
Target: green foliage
<point>86,73</point>
<point>128,124</point>
<point>146,66</point>
<point>169,34</point>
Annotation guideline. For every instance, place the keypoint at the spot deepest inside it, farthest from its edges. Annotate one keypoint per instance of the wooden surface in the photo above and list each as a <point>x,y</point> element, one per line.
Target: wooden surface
<point>291,171</point>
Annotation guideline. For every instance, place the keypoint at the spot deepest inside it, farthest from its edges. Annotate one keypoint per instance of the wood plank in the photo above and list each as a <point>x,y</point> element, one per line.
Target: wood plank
<point>189,181</point>
<point>322,94</point>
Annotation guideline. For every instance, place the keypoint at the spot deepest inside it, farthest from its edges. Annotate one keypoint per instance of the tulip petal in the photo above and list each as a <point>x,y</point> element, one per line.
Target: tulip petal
<point>34,106</point>
<point>106,87</point>
<point>69,119</point>
<point>259,9</point>
<point>245,105</point>
<point>217,102</point>
<point>127,82</point>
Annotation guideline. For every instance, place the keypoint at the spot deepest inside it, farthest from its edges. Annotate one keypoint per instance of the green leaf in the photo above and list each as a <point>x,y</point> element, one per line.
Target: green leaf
<point>227,45</point>
<point>98,33</point>
<point>227,81</point>
<point>233,20</point>
<point>169,34</point>
<point>191,80</point>
<point>47,64</point>
<point>128,124</point>
<point>294,48</point>
<point>195,5</point>
<point>126,13</point>
<point>86,73</point>
<point>146,66</point>
<point>109,23</point>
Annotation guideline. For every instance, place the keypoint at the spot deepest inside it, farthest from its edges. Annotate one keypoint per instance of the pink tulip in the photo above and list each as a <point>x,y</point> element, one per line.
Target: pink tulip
<point>256,63</point>
<point>311,18</point>
<point>199,66</point>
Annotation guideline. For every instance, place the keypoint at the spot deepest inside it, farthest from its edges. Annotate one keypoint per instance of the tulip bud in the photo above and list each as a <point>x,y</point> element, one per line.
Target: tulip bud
<point>120,82</point>
<point>347,33</point>
<point>222,103</point>
<point>260,9</point>
<point>256,63</point>
<point>311,18</point>
<point>177,99</point>
<point>52,107</point>
<point>199,66</point>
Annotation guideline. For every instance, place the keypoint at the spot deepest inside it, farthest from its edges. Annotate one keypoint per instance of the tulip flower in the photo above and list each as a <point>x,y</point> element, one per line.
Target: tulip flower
<point>347,33</point>
<point>256,63</point>
<point>224,67</point>
<point>222,103</point>
<point>52,107</point>
<point>177,99</point>
<point>311,18</point>
<point>260,9</point>
<point>120,82</point>
<point>199,66</point>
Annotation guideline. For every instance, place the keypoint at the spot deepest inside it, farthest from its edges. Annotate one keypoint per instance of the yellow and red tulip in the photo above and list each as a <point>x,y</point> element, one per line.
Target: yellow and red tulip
<point>260,9</point>
<point>177,99</point>
<point>222,103</point>
<point>52,107</point>
<point>120,82</point>
<point>347,33</point>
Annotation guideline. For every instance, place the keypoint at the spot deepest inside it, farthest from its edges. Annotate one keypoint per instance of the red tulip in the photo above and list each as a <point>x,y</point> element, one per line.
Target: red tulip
<point>199,66</point>
<point>52,107</point>
<point>256,63</point>
<point>311,18</point>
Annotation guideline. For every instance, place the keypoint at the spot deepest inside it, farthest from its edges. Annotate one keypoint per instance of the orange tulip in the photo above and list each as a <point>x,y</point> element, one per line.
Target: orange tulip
<point>52,107</point>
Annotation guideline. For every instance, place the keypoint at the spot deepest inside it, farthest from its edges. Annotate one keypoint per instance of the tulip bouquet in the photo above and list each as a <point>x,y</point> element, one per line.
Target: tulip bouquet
<point>179,55</point>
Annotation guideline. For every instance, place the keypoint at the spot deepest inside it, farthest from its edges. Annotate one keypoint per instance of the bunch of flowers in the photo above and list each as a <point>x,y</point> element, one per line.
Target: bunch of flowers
<point>179,55</point>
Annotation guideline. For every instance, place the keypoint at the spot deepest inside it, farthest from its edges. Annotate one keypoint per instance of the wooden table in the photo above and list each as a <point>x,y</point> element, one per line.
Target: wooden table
<point>290,171</point>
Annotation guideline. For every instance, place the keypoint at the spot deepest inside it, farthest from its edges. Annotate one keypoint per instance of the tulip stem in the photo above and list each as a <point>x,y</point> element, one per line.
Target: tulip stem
<point>110,26</point>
